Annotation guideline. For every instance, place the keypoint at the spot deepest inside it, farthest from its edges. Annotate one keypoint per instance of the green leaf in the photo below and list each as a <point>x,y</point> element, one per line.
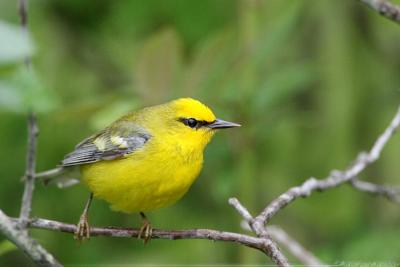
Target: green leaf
<point>15,44</point>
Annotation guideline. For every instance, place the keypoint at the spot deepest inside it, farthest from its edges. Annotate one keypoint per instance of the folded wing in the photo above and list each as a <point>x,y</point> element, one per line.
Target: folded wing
<point>123,138</point>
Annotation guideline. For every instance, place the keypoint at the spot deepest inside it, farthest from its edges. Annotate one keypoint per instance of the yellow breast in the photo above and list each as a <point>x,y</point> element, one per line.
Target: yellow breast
<point>154,176</point>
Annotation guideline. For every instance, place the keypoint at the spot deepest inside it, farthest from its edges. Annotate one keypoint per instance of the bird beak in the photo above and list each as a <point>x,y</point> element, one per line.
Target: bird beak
<point>221,124</point>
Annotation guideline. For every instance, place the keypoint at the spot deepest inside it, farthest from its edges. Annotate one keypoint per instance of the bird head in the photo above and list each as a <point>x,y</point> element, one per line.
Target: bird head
<point>190,123</point>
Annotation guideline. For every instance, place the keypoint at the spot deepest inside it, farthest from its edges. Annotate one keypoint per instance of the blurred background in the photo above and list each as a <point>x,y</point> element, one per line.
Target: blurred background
<point>313,82</point>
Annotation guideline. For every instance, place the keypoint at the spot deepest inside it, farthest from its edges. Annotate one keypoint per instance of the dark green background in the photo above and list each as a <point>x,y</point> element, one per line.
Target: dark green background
<point>312,81</point>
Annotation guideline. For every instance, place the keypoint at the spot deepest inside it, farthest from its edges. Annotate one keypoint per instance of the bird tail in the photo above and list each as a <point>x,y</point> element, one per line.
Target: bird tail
<point>61,177</point>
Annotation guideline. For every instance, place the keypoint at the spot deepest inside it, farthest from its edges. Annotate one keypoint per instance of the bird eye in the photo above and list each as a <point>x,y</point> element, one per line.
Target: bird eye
<point>192,123</point>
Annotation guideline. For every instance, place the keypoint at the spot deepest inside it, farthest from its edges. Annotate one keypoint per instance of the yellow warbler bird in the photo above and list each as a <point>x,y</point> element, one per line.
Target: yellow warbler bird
<point>145,160</point>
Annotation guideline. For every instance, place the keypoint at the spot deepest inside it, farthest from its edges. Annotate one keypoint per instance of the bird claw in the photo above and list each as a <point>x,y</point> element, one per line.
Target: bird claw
<point>145,231</point>
<point>82,231</point>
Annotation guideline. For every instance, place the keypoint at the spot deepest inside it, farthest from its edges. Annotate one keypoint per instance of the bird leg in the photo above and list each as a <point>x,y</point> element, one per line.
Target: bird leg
<point>146,230</point>
<point>82,231</point>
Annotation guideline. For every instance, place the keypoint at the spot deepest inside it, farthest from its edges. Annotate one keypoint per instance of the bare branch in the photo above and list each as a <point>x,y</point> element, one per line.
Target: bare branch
<point>263,241</point>
<point>21,239</point>
<point>30,171</point>
<point>23,15</point>
<point>385,8</point>
<point>23,12</point>
<point>241,209</point>
<point>390,192</point>
<point>249,241</point>
<point>15,229</point>
<point>294,247</point>
<point>335,179</point>
<point>273,250</point>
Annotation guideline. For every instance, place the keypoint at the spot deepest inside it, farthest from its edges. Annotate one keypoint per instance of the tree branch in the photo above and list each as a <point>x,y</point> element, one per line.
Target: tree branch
<point>311,185</point>
<point>390,192</point>
<point>15,229</point>
<point>385,8</point>
<point>30,171</point>
<point>294,247</point>
<point>249,241</point>
<point>335,179</point>
<point>273,250</point>
<point>23,15</point>
<point>264,240</point>
<point>21,239</point>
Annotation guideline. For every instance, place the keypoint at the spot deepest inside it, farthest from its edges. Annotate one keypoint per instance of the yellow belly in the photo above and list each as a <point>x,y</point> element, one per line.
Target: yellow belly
<point>144,180</point>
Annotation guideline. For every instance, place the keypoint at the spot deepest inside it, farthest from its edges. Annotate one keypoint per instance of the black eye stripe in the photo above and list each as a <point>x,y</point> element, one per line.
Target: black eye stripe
<point>193,123</point>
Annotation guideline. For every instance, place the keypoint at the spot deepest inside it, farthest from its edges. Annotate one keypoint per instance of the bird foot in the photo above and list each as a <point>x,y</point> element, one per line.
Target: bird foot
<point>82,231</point>
<point>146,231</point>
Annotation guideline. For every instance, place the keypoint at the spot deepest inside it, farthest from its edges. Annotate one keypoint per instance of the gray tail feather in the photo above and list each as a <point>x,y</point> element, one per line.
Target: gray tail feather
<point>61,177</point>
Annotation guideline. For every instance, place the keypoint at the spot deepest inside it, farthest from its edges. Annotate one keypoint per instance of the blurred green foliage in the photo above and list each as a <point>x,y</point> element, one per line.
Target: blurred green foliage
<point>312,81</point>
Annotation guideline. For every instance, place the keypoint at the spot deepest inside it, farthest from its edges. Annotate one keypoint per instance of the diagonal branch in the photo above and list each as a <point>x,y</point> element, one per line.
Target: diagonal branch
<point>36,252</point>
<point>263,242</point>
<point>293,246</point>
<point>273,250</point>
<point>16,229</point>
<point>385,8</point>
<point>335,179</point>
<point>311,185</point>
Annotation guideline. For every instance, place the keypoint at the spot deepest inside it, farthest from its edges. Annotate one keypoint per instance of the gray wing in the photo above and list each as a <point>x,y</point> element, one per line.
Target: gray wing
<point>122,138</point>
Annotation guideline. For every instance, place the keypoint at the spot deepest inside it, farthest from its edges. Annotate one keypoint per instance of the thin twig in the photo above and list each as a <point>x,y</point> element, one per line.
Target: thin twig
<point>335,179</point>
<point>30,171</point>
<point>263,240</point>
<point>23,12</point>
<point>385,8</point>
<point>273,250</point>
<point>9,227</point>
<point>390,192</point>
<point>293,246</point>
<point>23,15</point>
<point>234,202</point>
